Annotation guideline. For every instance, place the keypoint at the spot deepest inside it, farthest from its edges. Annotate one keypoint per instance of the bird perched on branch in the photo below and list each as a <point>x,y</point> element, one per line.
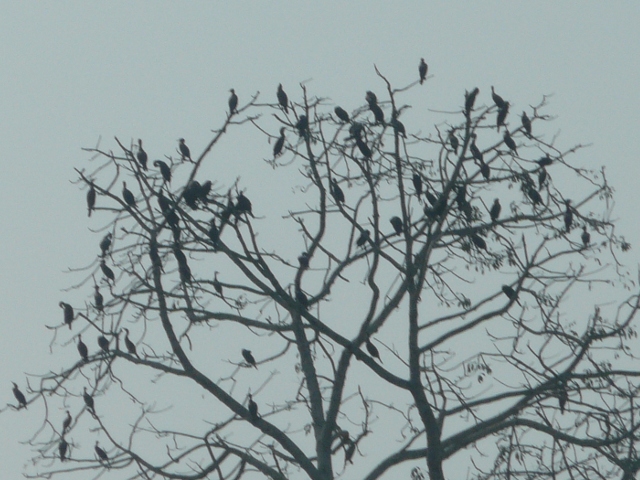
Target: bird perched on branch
<point>91,198</point>
<point>373,351</point>
<point>66,423</point>
<point>453,141</point>
<point>502,115</point>
<point>102,455</point>
<point>131,347</point>
<point>585,237</point>
<point>509,142</point>
<point>88,401</point>
<point>142,156</point>
<point>103,343</point>
<point>107,271</point>
<point>422,70</point>
<point>165,171</point>
<point>341,114</point>
<point>69,315</point>
<point>526,124</point>
<point>364,237</point>
<point>98,299</point>
<point>510,293</point>
<point>277,147</point>
<point>184,150</point>
<point>494,213</point>
<point>63,446</point>
<point>568,216</point>
<point>478,241</point>
<point>497,99</point>
<point>303,126</point>
<point>253,409</point>
<point>233,102</point>
<point>283,100</point>
<point>336,191</point>
<point>105,244</point>
<point>416,179</point>
<point>303,260</point>
<point>128,196</point>
<point>396,222</point>
<point>470,100</point>
<point>82,349</point>
<point>22,401</point>
<point>248,357</point>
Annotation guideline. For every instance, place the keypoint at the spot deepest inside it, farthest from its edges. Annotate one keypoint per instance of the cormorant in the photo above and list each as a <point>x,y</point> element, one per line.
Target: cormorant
<point>283,100</point>
<point>88,401</point>
<point>127,195</point>
<point>453,141</point>
<point>303,126</point>
<point>544,161</point>
<point>497,99</point>
<point>417,183</point>
<point>68,313</point>
<point>510,293</point>
<point>66,422</point>
<point>98,299</point>
<point>217,286</point>
<point>153,254</point>
<point>364,148</point>
<point>107,271</point>
<point>183,266</point>
<point>526,124</point>
<point>509,142</point>
<point>378,114</point>
<point>349,451</point>
<point>131,347</point>
<point>253,409</point>
<point>431,198</point>
<point>398,127</point>
<point>563,397</point>
<point>191,194</point>
<point>82,349</point>
<point>568,216</point>
<point>342,114</point>
<point>103,343</point>
<point>165,171</point>
<point>586,237</point>
<point>355,130</point>
<point>277,147</point>
<point>470,99</point>
<point>485,170</point>
<point>102,455</point>
<point>214,233</point>
<point>475,151</point>
<point>534,195</point>
<point>478,241</point>
<point>371,98</point>
<point>142,156</point>
<point>364,237</point>
<point>243,204</point>
<point>542,177</point>
<point>91,198</point>
<point>184,150</point>
<point>502,115</point>
<point>422,70</point>
<point>63,446</point>
<point>396,222</point>
<point>494,213</point>
<point>233,102</point>
<point>163,203</point>
<point>105,244</point>
<point>373,351</point>
<point>303,260</point>
<point>22,401</point>
<point>336,191</point>
<point>302,299</point>
<point>248,357</point>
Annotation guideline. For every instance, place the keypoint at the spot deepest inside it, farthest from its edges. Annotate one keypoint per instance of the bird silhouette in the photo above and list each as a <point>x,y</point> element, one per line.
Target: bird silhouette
<point>283,100</point>
<point>422,70</point>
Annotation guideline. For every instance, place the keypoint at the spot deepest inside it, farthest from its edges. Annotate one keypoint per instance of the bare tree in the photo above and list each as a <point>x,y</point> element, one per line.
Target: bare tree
<point>417,308</point>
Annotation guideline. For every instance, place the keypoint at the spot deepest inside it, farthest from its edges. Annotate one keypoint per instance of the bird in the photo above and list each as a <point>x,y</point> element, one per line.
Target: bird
<point>253,409</point>
<point>478,241</point>
<point>563,397</point>
<point>217,286</point>
<point>82,349</point>
<point>248,357</point>
<point>233,102</point>
<point>105,244</point>
<point>364,148</point>
<point>214,233</point>
<point>398,127</point>
<point>165,171</point>
<point>586,237</point>
<point>68,313</point>
<point>544,161</point>
<point>417,183</point>
<point>66,422</point>
<point>191,194</point>
<point>542,177</point>
<point>277,147</point>
<point>283,100</point>
<point>303,126</point>
<point>184,150</point>
<point>127,195</point>
<point>526,124</point>
<point>243,204</point>
<point>107,271</point>
<point>131,347</point>
<point>98,299</point>
<point>103,343</point>
<point>534,195</point>
<point>453,141</point>
<point>568,216</point>
<point>494,213</point>
<point>502,115</point>
<point>497,99</point>
<point>373,351</point>
<point>342,114</point>
<point>510,293</point>
<point>349,452</point>
<point>371,98</point>
<point>364,237</point>
<point>303,260</point>
<point>378,114</point>
<point>396,222</point>
<point>142,156</point>
<point>102,455</point>
<point>509,142</point>
<point>422,70</point>
<point>431,198</point>
<point>22,401</point>
<point>475,151</point>
<point>63,446</point>
<point>302,299</point>
<point>485,170</point>
<point>88,401</point>
<point>336,191</point>
<point>470,99</point>
<point>91,199</point>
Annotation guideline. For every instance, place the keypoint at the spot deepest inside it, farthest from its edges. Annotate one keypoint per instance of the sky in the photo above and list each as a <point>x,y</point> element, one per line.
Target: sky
<point>74,73</point>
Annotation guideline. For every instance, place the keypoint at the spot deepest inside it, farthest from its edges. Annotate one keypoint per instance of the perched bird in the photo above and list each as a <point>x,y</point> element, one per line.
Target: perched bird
<point>534,195</point>
<point>563,397</point>
<point>277,147</point>
<point>283,100</point>
<point>184,150</point>
<point>98,299</point>
<point>91,198</point>
<point>336,191</point>
<point>105,244</point>
<point>417,183</point>
<point>88,401</point>
<point>494,213</point>
<point>422,70</point>
<point>396,222</point>
<point>510,293</point>
<point>398,127</point>
<point>544,161</point>
<point>191,194</point>
<point>66,422</point>
<point>217,286</point>
<point>497,99</point>
<point>303,260</point>
<point>165,171</point>
<point>183,266</point>
<point>303,126</point>
<point>478,241</point>
<point>107,271</point>
<point>253,409</point>
<point>63,446</point>
<point>342,114</point>
<point>127,195</point>
<point>214,233</point>
<point>485,170</point>
<point>542,177</point>
<point>243,204</point>
<point>22,401</point>
<point>431,198</point>
<point>233,102</point>
<point>248,357</point>
<point>378,114</point>
<point>371,98</point>
<point>103,343</point>
<point>131,347</point>
<point>586,237</point>
<point>142,156</point>
<point>364,237</point>
<point>82,349</point>
<point>509,142</point>
<point>349,452</point>
<point>475,151</point>
<point>363,147</point>
<point>526,124</point>
<point>302,299</point>
<point>453,141</point>
<point>469,100</point>
<point>502,115</point>
<point>568,216</point>
<point>373,351</point>
<point>102,455</point>
<point>69,315</point>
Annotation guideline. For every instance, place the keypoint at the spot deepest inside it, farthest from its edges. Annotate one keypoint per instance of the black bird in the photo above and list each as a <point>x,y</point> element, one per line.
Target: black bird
<point>105,244</point>
<point>214,233</point>
<point>243,204</point>
<point>248,357</point>
<point>510,293</point>
<point>91,198</point>
<point>364,237</point>
<point>303,260</point>
<point>336,191</point>
<point>127,195</point>
<point>475,151</point>
<point>371,98</point>
<point>102,455</point>
<point>494,213</point>
<point>22,401</point>
<point>478,241</point>
<point>396,222</point>
<point>453,141</point>
<point>586,237</point>
<point>502,115</point>
<point>485,170</point>
<point>378,114</point>
<point>563,397</point>
<point>398,127</point>
<point>233,102</point>
<point>422,70</point>
<point>431,198</point>
<point>568,216</point>
<point>342,114</point>
<point>103,343</point>
<point>66,423</point>
<point>417,183</point>
<point>544,161</point>
<point>154,255</point>
<point>355,130</point>
<point>63,446</point>
<point>526,124</point>
<point>165,171</point>
<point>164,204</point>
<point>142,156</point>
<point>303,126</point>
<point>107,271</point>
<point>302,299</point>
<point>98,299</point>
<point>184,150</point>
<point>183,266</point>
<point>253,409</point>
<point>88,401</point>
<point>283,100</point>
<point>131,347</point>
<point>534,195</point>
<point>470,99</point>
<point>497,99</point>
<point>509,142</point>
<point>68,313</point>
<point>373,351</point>
<point>542,177</point>
<point>205,189</point>
<point>191,194</point>
<point>82,349</point>
<point>217,286</point>
<point>349,452</point>
<point>363,147</point>
<point>277,147</point>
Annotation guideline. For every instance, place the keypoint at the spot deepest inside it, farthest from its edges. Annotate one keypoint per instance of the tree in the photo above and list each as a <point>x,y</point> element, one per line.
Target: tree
<point>412,310</point>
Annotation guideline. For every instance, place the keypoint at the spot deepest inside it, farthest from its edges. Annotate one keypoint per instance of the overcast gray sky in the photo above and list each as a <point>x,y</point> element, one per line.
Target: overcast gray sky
<point>73,71</point>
